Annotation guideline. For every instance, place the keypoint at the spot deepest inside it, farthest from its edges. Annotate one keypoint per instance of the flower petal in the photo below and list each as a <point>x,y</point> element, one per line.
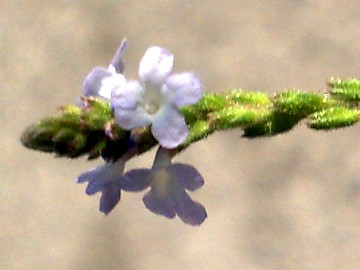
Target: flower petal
<point>95,186</point>
<point>183,89</point>
<point>160,205</point>
<point>129,120</point>
<point>110,84</point>
<point>135,180</point>
<point>90,175</point>
<point>93,81</point>
<point>169,127</point>
<point>189,212</point>
<point>127,97</point>
<point>186,175</point>
<point>116,62</point>
<point>155,66</point>
<point>101,176</point>
<point>109,198</point>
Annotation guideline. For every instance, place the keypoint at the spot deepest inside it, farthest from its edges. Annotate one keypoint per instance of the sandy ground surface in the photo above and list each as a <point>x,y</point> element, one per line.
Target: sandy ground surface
<point>289,202</point>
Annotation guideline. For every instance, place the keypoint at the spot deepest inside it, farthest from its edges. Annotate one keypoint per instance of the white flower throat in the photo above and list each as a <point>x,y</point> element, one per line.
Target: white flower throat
<point>153,101</point>
<point>151,106</point>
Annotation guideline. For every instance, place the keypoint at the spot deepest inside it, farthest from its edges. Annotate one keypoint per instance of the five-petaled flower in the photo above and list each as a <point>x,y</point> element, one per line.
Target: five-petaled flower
<point>103,179</point>
<point>168,184</point>
<point>101,81</point>
<point>156,98</point>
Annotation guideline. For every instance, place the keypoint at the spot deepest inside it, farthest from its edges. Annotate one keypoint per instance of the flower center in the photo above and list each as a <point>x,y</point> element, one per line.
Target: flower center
<point>151,106</point>
<point>153,100</point>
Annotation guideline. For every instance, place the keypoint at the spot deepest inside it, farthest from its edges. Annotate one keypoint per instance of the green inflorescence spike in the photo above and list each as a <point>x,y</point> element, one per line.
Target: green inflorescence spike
<point>90,129</point>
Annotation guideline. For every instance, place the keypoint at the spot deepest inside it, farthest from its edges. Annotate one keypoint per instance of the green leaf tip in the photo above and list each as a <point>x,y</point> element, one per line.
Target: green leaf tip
<point>258,99</point>
<point>272,125</point>
<point>300,104</point>
<point>208,104</point>
<point>348,90</point>
<point>198,131</point>
<point>238,117</point>
<point>334,118</point>
<point>73,131</point>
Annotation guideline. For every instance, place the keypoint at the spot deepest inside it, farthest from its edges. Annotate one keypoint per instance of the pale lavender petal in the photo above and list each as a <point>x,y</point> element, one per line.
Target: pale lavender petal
<point>189,212</point>
<point>109,198</point>
<point>95,186</point>
<point>117,63</point>
<point>90,175</point>
<point>129,120</point>
<point>155,66</point>
<point>183,89</point>
<point>135,180</point>
<point>160,205</point>
<point>186,175</point>
<point>127,97</point>
<point>169,127</point>
<point>110,84</point>
<point>93,81</point>
<point>101,176</point>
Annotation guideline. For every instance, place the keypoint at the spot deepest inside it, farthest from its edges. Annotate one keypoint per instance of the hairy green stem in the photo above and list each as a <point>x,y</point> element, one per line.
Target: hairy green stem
<point>90,129</point>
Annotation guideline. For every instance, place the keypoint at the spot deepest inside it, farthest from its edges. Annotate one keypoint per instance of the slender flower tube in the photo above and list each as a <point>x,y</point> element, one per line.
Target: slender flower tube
<point>156,98</point>
<point>101,81</point>
<point>168,184</point>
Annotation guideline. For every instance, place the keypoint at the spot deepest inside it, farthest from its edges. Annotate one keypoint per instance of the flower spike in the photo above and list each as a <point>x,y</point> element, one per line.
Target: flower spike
<point>119,119</point>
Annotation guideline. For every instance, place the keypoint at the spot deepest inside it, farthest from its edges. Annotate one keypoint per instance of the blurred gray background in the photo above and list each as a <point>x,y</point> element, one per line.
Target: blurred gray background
<point>288,202</point>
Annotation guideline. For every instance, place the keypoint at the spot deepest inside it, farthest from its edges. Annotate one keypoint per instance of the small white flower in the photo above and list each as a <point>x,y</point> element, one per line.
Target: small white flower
<point>101,81</point>
<point>155,99</point>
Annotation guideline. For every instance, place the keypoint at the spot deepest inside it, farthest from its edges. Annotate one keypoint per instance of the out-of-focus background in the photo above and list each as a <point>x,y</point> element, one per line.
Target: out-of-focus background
<point>288,202</point>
